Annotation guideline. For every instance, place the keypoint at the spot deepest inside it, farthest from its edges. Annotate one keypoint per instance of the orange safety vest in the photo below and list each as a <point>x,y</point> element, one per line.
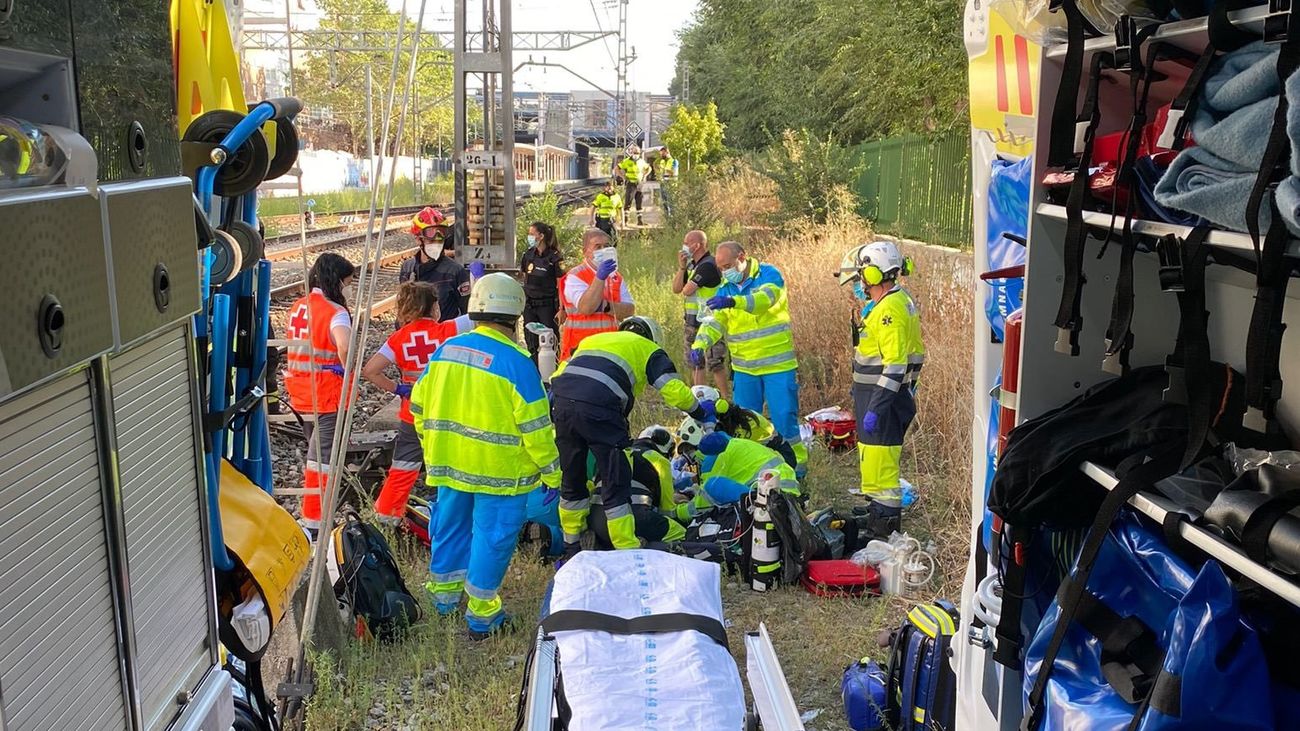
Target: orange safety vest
<point>413,345</point>
<point>310,349</point>
<point>579,327</point>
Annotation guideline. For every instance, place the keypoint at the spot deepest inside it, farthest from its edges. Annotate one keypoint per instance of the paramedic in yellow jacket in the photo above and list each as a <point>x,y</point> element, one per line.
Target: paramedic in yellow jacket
<point>749,312</point>
<point>485,429</point>
<point>594,392</point>
<point>886,365</point>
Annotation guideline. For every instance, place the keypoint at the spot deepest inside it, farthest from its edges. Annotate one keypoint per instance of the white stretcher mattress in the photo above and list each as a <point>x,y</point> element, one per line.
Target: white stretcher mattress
<point>655,682</point>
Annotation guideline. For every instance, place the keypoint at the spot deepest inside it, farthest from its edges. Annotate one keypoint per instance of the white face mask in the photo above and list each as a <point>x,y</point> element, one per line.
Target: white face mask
<point>350,293</point>
<point>686,250</point>
<point>532,241</point>
<point>735,274</point>
<point>432,249</point>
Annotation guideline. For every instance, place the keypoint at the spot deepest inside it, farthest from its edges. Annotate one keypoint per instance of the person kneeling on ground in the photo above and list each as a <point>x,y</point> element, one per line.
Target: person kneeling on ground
<point>652,492</point>
<point>594,391</point>
<point>418,335</point>
<point>482,418</point>
<point>742,423</point>
<point>729,467</point>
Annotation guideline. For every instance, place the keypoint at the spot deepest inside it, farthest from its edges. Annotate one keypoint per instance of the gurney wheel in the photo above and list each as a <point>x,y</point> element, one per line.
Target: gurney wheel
<point>286,149</point>
<point>246,167</point>
<point>227,258</point>
<point>250,243</point>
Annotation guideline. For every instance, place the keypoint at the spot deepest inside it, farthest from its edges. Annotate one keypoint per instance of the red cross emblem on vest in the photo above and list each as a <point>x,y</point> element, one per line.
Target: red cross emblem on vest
<point>418,349</point>
<point>298,323</point>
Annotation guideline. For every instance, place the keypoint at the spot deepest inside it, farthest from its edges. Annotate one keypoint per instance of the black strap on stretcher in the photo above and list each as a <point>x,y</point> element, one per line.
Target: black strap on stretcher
<point>566,620</point>
<point>1069,320</point>
<point>1272,273</point>
<point>1134,476</point>
<point>1061,146</point>
<point>1182,272</point>
<point>1119,333</point>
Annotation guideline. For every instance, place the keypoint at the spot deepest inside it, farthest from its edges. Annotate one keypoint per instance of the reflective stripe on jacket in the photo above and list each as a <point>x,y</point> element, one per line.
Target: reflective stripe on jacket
<point>483,419</point>
<point>757,330</point>
<point>612,369</point>
<point>606,206</point>
<point>311,346</point>
<point>890,353</point>
<point>744,461</point>
<point>411,347</point>
<point>579,327</point>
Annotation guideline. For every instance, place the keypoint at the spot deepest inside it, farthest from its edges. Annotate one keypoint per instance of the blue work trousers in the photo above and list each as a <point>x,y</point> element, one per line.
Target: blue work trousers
<point>473,536</point>
<point>781,393</point>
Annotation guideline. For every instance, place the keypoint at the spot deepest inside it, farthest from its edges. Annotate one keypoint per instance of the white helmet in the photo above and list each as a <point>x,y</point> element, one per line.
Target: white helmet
<point>875,262</point>
<point>706,393</point>
<point>659,436</point>
<point>496,297</point>
<point>690,432</point>
<point>644,326</point>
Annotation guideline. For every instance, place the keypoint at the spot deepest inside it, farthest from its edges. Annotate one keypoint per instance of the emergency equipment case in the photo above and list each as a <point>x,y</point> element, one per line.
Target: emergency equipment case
<point>990,695</point>
<point>109,609</point>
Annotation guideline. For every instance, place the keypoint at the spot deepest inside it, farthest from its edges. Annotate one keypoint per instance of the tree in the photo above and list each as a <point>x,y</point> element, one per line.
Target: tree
<point>334,82</point>
<point>852,70</point>
<point>695,135</point>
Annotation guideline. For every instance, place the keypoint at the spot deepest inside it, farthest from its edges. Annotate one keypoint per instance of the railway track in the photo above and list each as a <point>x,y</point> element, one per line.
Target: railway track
<point>287,282</point>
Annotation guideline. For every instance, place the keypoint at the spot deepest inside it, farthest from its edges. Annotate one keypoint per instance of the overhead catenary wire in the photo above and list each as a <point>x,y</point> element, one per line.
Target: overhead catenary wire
<point>342,434</point>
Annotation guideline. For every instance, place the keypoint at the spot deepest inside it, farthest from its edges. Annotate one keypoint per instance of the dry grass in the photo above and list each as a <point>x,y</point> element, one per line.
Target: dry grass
<point>436,680</point>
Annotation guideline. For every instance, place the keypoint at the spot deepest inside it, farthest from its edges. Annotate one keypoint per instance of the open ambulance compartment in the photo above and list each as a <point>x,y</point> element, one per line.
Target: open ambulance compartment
<point>991,695</point>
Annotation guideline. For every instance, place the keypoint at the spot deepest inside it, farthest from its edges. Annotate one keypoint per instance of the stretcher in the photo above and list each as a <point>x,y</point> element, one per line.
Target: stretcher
<point>636,640</point>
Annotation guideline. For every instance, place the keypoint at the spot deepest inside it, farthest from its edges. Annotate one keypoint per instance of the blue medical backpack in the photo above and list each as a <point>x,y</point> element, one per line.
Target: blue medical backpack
<point>922,687</point>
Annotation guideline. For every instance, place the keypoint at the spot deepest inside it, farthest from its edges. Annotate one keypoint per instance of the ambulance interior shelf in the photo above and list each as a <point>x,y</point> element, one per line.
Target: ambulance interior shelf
<point>1229,240</point>
<point>1156,508</point>
<point>1187,34</point>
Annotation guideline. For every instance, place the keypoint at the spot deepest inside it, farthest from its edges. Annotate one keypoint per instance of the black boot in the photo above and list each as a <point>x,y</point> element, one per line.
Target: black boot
<point>882,520</point>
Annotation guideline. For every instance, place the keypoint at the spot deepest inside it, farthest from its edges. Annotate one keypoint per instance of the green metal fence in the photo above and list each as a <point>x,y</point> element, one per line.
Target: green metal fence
<point>918,188</point>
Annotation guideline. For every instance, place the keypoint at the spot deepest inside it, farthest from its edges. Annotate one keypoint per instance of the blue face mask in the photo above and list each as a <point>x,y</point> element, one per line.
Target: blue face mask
<point>858,291</point>
<point>733,276</point>
<point>532,241</point>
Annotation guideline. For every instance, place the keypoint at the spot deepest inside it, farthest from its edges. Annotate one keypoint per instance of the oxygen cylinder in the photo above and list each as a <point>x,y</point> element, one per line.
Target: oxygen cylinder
<point>765,546</point>
<point>547,357</point>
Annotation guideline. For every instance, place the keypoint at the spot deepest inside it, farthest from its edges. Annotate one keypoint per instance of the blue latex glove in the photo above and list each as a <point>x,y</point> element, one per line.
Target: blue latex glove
<point>403,390</point>
<point>715,443</point>
<point>682,483</point>
<point>721,302</point>
<point>606,268</point>
<point>870,422</point>
<point>710,412</point>
<point>724,490</point>
<point>696,358</point>
<point>476,269</point>
<point>552,494</point>
<point>335,369</point>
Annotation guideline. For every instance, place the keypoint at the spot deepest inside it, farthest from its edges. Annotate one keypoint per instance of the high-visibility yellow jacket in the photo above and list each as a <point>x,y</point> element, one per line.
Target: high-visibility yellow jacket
<point>483,419</point>
<point>889,354</point>
<point>744,461</point>
<point>632,168</point>
<point>607,206</point>
<point>612,368</point>
<point>757,330</point>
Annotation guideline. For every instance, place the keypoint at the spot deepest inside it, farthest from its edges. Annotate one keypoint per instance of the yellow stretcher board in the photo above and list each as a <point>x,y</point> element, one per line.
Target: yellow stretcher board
<point>207,64</point>
<point>1003,76</point>
<point>264,537</point>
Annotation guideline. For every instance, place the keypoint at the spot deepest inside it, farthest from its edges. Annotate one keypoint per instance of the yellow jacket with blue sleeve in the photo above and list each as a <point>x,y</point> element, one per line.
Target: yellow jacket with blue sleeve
<point>483,418</point>
<point>757,329</point>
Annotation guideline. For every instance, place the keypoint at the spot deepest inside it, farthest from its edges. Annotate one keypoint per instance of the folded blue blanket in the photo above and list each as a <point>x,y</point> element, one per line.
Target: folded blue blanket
<point>1213,180</point>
